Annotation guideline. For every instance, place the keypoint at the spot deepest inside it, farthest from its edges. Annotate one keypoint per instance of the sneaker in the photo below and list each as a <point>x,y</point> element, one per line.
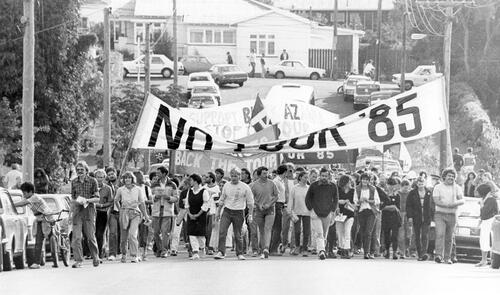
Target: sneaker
<point>314,252</point>
<point>262,256</point>
<point>173,253</point>
<point>111,258</point>
<point>425,257</point>
<point>438,259</point>
<point>135,259</point>
<point>195,256</point>
<point>266,253</point>
<point>143,257</point>
<point>395,257</point>
<point>322,255</point>
<point>402,256</point>
<point>304,254</point>
<point>448,261</point>
<point>96,261</point>
<point>219,255</point>
<point>367,256</point>
<point>241,257</point>
<point>387,255</point>
<point>34,266</point>
<point>190,254</point>
<point>210,252</point>
<point>281,249</point>
<point>77,264</point>
<point>255,254</point>
<point>295,252</point>
<point>481,264</point>
<point>370,256</point>
<point>454,260</point>
<point>124,259</point>
<point>164,255</point>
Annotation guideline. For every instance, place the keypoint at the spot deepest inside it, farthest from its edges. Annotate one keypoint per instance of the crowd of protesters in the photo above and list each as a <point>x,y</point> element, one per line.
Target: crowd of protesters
<point>271,212</point>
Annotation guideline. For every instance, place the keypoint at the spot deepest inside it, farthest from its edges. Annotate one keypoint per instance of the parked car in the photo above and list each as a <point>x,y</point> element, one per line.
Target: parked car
<point>196,63</point>
<point>382,95</point>
<point>295,69</point>
<point>160,65</point>
<point>206,91</point>
<point>14,233</point>
<point>290,92</point>
<point>384,164</point>
<point>421,75</point>
<point>362,95</point>
<point>31,222</point>
<point>228,74</point>
<point>202,102</point>
<point>197,79</point>
<point>349,86</point>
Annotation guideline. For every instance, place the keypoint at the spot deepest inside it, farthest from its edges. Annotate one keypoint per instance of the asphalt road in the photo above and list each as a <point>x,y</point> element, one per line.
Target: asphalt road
<point>277,275</point>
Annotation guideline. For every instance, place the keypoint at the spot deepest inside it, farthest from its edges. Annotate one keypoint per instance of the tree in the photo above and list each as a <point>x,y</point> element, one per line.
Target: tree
<point>67,84</point>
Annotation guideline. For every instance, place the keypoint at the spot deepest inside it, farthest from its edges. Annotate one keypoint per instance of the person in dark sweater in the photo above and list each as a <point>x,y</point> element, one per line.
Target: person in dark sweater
<point>489,208</point>
<point>420,213</point>
<point>322,199</point>
<point>391,217</point>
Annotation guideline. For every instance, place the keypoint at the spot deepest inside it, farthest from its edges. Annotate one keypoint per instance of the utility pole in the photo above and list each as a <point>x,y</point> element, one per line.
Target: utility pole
<point>107,90</point>
<point>335,35</point>
<point>147,85</point>
<point>379,41</point>
<point>171,165</point>
<point>445,155</point>
<point>28,113</point>
<point>402,85</point>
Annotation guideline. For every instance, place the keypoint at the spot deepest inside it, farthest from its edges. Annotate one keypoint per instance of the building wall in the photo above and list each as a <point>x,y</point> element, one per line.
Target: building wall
<point>289,34</point>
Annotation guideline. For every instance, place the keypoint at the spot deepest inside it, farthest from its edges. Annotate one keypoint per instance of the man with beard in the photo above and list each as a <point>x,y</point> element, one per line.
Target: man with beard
<point>114,216</point>
<point>321,200</point>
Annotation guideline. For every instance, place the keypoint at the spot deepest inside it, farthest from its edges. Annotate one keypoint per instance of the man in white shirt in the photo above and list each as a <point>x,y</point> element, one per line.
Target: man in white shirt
<point>252,59</point>
<point>13,175</point>
<point>369,69</point>
<point>236,196</point>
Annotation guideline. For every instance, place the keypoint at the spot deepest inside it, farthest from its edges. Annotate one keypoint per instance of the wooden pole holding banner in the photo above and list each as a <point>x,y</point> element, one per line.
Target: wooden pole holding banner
<point>107,91</point>
<point>445,155</point>
<point>147,86</point>
<point>171,163</point>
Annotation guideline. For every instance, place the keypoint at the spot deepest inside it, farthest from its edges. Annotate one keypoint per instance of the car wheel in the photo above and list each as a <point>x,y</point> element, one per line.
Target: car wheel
<point>20,260</point>
<point>241,84</point>
<point>279,75</point>
<point>314,76</point>
<point>408,85</point>
<point>7,259</point>
<point>30,255</point>
<point>340,90</point>
<point>166,73</point>
<point>54,250</point>
<point>125,73</point>
<point>217,81</point>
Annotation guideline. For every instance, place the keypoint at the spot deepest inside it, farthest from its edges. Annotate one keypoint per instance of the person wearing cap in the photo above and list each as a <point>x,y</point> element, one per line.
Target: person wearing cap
<point>448,196</point>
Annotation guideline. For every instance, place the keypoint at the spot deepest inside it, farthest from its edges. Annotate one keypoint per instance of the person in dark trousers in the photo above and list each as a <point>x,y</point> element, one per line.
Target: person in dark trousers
<point>391,217</point>
<point>367,200</point>
<point>263,66</point>
<point>420,213</point>
<point>229,58</point>
<point>105,203</point>
<point>458,160</point>
<point>113,217</point>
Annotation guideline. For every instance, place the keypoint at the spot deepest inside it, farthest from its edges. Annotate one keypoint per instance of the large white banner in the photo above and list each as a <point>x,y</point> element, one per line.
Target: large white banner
<point>411,115</point>
<point>232,121</point>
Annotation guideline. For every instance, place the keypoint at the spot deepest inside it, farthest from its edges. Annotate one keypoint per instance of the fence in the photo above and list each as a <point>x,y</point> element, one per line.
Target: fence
<point>323,59</point>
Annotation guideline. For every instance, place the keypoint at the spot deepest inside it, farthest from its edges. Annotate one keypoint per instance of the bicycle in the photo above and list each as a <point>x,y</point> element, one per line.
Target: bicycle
<point>59,242</point>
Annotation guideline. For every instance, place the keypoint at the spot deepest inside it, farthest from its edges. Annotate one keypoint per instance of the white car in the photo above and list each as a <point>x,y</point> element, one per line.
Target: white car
<point>421,75</point>
<point>200,79</point>
<point>292,92</point>
<point>202,102</point>
<point>348,88</point>
<point>160,65</point>
<point>206,91</point>
<point>295,69</point>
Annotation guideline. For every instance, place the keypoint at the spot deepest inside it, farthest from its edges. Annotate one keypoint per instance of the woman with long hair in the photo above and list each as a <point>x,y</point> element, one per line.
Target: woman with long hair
<point>131,201</point>
<point>41,181</point>
<point>469,185</point>
<point>366,198</point>
<point>197,205</point>
<point>346,209</point>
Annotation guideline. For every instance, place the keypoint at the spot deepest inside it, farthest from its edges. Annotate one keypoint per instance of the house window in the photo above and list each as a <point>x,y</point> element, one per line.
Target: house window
<point>139,32</point>
<point>196,36</point>
<point>263,44</point>
<point>212,36</point>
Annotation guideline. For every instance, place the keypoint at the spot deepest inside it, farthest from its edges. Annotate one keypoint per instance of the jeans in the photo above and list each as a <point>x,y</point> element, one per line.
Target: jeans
<point>331,240</point>
<point>208,235</point>
<point>377,230</point>
<point>286,219</point>
<point>304,224</point>
<point>101,221</point>
<point>320,226</point>
<point>344,233</point>
<point>129,221</point>
<point>421,238</point>
<point>42,231</point>
<point>390,227</point>
<point>236,218</point>
<point>162,226</point>
<point>445,228</point>
<point>252,72</point>
<point>114,233</point>
<point>85,226</point>
<point>264,220</point>
<point>254,236</point>
<point>277,226</point>
<point>366,220</point>
<point>404,235</point>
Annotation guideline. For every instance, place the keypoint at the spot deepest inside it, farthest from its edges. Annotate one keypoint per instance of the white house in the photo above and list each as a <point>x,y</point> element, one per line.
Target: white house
<point>213,27</point>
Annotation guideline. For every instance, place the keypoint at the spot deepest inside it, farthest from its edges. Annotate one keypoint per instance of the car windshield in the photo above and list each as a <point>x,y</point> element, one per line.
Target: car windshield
<point>470,208</point>
<point>207,89</point>
<point>366,88</point>
<point>199,78</point>
<point>52,204</point>
<point>202,100</point>
<point>229,69</point>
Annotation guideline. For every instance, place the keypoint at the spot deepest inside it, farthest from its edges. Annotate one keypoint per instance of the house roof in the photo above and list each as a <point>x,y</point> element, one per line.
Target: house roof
<point>343,5</point>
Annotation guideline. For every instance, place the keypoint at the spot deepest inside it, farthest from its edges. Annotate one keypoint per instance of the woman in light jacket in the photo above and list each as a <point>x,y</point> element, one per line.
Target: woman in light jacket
<point>489,208</point>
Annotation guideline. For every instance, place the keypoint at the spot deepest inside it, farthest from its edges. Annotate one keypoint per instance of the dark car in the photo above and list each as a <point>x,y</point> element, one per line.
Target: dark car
<point>228,74</point>
<point>362,94</point>
<point>382,95</point>
<point>194,64</point>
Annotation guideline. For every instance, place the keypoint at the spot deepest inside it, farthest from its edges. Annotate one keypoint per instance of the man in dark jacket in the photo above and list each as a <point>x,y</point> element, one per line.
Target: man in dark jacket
<point>420,212</point>
<point>322,199</point>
